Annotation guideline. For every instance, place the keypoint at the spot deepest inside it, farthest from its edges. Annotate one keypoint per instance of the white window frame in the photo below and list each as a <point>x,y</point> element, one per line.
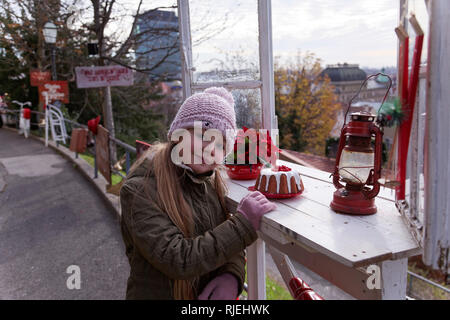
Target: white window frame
<point>429,137</point>
<point>437,132</point>
<point>266,82</point>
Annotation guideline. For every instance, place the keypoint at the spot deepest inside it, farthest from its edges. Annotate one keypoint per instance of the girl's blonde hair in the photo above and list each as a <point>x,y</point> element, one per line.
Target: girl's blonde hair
<point>171,200</point>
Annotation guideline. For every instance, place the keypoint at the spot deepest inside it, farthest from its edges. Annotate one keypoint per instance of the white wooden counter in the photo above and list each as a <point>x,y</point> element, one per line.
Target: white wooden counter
<point>343,249</point>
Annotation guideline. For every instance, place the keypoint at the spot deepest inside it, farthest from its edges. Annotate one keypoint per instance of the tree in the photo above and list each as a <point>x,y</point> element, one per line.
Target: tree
<point>112,23</point>
<point>304,104</point>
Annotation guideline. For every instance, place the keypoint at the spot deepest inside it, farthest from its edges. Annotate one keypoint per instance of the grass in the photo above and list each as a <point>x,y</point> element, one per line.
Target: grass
<point>274,291</point>
<point>422,290</point>
<point>115,178</point>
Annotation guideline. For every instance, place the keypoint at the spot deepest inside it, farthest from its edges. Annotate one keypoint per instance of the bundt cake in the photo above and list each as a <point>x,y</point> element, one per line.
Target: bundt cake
<point>279,180</point>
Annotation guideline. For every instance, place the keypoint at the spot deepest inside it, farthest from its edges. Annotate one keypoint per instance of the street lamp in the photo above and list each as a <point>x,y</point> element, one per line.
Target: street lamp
<point>50,32</point>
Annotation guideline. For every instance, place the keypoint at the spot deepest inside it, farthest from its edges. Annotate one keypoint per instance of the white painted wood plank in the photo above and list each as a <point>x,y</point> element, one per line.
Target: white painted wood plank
<point>437,132</point>
<point>393,279</point>
<point>256,270</point>
<point>315,234</point>
<point>321,192</point>
<point>387,221</point>
<point>387,217</point>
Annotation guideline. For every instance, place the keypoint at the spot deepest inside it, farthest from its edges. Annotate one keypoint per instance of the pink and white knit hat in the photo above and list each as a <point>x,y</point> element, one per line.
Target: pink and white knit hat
<point>214,108</point>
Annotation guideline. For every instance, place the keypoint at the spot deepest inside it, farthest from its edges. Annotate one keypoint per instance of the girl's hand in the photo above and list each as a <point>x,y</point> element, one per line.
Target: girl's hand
<point>223,287</point>
<point>253,206</point>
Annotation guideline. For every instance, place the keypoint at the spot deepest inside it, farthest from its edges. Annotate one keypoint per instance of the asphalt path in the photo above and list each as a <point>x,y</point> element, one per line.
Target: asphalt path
<point>58,239</point>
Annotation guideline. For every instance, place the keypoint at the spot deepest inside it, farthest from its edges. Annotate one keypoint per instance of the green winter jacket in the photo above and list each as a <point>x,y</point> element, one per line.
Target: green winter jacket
<point>158,252</point>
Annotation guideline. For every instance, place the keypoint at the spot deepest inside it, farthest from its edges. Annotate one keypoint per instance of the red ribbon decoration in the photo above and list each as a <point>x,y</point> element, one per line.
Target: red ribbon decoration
<point>408,103</point>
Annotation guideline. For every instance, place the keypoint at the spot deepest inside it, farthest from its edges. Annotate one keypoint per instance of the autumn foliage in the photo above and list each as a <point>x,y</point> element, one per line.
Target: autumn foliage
<point>305,103</point>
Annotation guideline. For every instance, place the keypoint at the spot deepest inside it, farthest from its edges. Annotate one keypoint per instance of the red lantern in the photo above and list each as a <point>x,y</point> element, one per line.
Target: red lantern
<point>358,165</point>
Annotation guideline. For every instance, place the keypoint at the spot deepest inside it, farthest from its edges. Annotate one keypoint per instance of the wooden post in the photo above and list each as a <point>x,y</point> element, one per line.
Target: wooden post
<point>394,274</point>
<point>414,115</point>
<point>256,270</point>
<point>46,118</point>
<point>266,67</point>
<point>437,133</point>
<point>185,47</point>
<point>109,122</point>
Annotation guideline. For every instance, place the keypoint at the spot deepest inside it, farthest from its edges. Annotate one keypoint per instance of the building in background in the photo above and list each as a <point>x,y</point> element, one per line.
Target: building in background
<point>157,46</point>
<point>347,80</point>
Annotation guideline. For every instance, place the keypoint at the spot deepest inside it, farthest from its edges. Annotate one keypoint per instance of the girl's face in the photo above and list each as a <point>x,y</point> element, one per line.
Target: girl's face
<point>208,149</point>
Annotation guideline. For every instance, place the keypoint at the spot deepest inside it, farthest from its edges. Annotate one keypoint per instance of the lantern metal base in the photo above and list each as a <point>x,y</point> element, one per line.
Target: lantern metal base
<point>352,202</point>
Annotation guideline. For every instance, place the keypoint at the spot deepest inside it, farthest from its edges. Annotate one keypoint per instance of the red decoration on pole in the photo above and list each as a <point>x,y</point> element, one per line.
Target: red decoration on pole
<point>93,125</point>
<point>26,113</point>
<point>302,291</point>
<point>402,149</point>
<point>408,102</point>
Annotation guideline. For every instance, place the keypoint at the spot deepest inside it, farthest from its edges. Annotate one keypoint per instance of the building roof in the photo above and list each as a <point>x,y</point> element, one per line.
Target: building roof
<point>344,72</point>
<point>310,160</point>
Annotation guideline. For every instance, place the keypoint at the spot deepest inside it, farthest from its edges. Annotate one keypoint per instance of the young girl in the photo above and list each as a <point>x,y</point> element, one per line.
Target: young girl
<point>180,240</point>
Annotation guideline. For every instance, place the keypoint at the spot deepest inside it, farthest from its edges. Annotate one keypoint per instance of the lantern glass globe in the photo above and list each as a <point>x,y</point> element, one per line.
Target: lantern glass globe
<point>50,32</point>
<point>354,167</point>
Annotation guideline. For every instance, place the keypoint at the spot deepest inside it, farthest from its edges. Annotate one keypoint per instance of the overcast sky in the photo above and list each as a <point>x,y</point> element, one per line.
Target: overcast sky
<point>336,31</point>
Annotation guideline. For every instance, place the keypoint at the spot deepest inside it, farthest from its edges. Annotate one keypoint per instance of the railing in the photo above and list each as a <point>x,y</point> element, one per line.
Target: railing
<point>128,149</point>
<point>420,292</point>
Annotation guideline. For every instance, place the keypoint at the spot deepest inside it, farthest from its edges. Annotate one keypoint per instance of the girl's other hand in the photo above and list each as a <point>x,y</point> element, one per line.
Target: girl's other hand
<point>223,287</point>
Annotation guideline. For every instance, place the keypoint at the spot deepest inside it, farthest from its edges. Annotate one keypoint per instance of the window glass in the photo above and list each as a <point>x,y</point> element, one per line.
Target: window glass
<point>224,40</point>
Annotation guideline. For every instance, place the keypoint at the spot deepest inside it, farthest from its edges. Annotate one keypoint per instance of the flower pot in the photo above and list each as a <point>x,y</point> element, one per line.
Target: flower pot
<point>243,171</point>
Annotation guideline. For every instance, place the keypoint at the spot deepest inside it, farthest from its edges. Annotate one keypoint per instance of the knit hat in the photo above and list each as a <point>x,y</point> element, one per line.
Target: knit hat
<point>214,108</point>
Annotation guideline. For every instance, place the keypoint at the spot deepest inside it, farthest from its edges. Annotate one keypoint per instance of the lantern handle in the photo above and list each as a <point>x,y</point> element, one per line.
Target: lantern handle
<point>359,91</point>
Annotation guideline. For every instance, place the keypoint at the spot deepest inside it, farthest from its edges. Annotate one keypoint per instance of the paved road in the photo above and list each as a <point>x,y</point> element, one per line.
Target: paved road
<point>52,218</point>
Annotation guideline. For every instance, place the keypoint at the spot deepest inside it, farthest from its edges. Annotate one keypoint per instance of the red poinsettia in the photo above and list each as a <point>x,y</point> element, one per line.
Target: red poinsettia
<point>245,157</point>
